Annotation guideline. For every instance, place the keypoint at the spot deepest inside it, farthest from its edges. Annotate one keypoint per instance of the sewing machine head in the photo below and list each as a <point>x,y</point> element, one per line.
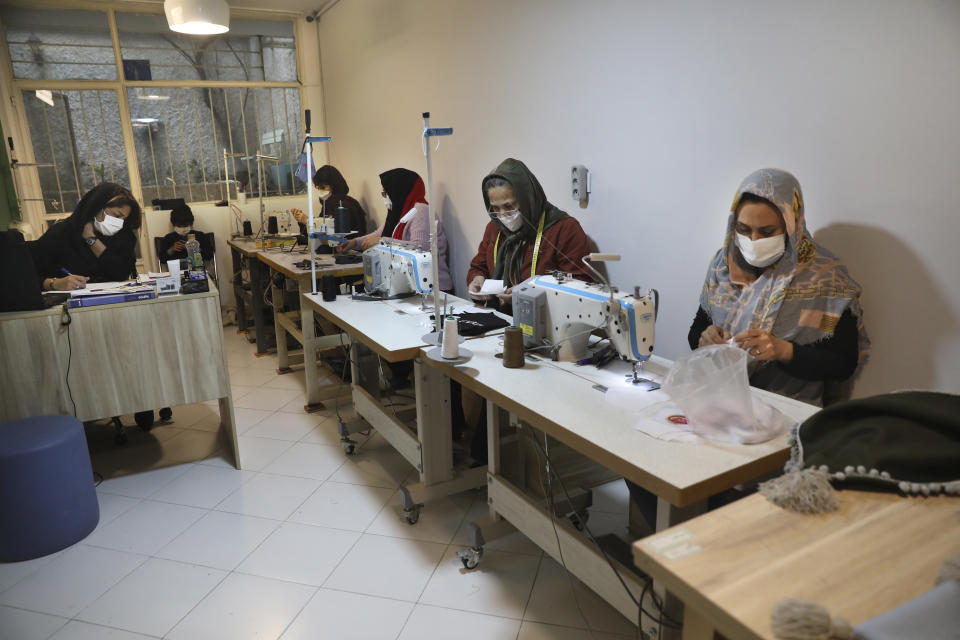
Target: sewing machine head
<point>561,312</point>
<point>394,268</point>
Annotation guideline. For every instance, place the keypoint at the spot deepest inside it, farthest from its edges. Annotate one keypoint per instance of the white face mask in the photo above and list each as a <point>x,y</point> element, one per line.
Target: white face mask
<point>109,226</point>
<point>763,252</point>
<point>323,195</point>
<point>387,202</point>
<point>512,220</point>
<point>182,231</point>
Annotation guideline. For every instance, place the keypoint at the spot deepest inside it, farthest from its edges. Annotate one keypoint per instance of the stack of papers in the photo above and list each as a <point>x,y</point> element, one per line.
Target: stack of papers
<point>110,289</point>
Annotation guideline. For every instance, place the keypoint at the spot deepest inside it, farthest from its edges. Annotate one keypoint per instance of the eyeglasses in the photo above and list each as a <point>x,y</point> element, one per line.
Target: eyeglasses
<point>497,212</point>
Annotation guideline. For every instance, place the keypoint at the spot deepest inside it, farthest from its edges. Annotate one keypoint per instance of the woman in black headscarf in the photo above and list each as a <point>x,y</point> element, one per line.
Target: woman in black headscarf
<point>332,189</point>
<point>97,243</point>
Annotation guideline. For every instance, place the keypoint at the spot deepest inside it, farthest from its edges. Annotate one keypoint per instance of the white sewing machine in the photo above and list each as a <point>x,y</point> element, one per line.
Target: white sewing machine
<point>393,268</point>
<point>558,313</point>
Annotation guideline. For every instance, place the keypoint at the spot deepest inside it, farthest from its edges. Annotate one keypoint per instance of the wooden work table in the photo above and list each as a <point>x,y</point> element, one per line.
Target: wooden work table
<point>245,251</point>
<point>731,566</point>
<point>121,358</point>
<point>286,322</point>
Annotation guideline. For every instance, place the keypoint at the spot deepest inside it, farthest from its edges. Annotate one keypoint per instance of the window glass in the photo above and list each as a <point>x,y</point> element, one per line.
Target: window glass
<point>180,135</point>
<point>252,51</point>
<point>78,134</point>
<point>59,44</point>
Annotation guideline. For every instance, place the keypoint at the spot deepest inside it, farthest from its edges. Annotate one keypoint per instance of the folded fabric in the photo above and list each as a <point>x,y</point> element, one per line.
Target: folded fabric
<point>475,324</point>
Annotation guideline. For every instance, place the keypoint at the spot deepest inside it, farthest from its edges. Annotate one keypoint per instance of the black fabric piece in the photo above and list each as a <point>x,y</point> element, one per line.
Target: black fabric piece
<point>19,284</point>
<point>167,241</point>
<point>475,324</point>
<point>833,358</point>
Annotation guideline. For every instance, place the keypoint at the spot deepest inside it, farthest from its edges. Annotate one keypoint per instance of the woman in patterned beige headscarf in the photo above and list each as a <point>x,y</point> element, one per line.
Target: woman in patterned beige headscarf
<point>779,295</point>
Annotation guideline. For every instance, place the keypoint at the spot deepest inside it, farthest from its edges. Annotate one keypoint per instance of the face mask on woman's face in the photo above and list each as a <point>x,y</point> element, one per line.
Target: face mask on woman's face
<point>512,220</point>
<point>763,252</point>
<point>324,194</point>
<point>109,225</point>
<point>182,231</point>
<point>388,202</point>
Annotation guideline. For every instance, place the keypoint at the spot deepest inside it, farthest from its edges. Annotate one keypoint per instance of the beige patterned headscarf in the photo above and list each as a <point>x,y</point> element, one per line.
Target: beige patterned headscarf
<point>799,298</point>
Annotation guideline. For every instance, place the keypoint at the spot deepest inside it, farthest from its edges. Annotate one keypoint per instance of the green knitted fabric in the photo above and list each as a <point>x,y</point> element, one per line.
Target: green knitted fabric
<point>909,439</point>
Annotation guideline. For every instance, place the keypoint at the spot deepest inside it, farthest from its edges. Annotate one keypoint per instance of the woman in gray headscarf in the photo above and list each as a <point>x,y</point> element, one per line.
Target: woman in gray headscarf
<point>785,299</point>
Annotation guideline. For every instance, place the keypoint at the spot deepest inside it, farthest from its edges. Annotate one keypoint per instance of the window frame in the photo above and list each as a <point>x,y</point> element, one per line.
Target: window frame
<point>13,109</point>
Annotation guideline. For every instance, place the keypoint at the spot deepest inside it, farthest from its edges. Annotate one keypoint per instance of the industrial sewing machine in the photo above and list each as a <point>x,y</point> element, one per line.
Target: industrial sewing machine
<point>394,268</point>
<point>558,313</point>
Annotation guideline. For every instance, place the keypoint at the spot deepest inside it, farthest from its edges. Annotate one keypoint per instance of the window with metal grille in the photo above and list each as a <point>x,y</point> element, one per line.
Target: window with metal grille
<point>59,44</point>
<point>190,141</point>
<point>78,133</point>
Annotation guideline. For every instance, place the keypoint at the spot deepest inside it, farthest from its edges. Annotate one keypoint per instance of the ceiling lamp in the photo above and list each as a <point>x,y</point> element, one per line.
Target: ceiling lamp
<point>197,17</point>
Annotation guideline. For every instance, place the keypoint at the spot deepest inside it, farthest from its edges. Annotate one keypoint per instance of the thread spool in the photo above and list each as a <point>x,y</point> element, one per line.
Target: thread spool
<point>247,228</point>
<point>272,225</point>
<point>451,338</point>
<point>513,347</point>
<point>330,288</point>
<point>341,220</point>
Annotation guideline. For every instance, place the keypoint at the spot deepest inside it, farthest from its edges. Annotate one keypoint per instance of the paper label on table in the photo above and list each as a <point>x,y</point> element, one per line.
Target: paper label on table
<point>653,413</point>
<point>491,288</point>
<point>681,551</point>
<point>670,539</point>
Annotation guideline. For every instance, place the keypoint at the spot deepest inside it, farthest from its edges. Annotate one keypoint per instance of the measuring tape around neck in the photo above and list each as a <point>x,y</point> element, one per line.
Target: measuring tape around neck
<point>536,246</point>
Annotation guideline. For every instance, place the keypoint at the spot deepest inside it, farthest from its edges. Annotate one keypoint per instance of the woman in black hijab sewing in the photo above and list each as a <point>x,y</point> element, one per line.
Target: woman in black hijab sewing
<point>332,189</point>
<point>97,243</point>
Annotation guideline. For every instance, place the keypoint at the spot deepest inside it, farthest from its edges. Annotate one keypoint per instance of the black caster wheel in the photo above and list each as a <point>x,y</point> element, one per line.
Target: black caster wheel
<point>412,516</point>
<point>470,558</point>
<point>579,519</point>
<point>120,439</point>
<point>348,448</point>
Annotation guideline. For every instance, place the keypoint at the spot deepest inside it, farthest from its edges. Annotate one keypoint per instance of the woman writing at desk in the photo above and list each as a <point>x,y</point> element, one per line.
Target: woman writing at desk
<point>97,243</point>
<point>526,235</point>
<point>783,298</point>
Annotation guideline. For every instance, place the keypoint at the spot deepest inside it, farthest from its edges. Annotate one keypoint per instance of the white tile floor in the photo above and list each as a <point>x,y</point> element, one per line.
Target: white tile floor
<point>304,543</point>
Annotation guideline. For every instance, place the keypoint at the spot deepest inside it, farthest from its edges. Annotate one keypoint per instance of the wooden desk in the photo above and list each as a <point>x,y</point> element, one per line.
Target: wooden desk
<point>243,251</point>
<point>126,357</point>
<point>285,322</point>
<point>732,565</point>
<point>565,402</point>
<point>394,330</point>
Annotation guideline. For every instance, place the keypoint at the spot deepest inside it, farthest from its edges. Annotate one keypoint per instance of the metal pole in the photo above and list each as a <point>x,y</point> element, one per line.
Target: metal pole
<point>434,216</point>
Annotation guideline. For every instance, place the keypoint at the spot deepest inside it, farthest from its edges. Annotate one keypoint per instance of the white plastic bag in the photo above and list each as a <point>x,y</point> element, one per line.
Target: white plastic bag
<point>711,387</point>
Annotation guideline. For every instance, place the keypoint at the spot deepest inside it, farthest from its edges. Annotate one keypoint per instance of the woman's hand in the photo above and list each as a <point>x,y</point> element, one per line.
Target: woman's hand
<point>506,298</point>
<point>68,283</point>
<point>370,242</point>
<point>713,335</point>
<point>473,289</point>
<point>346,246</point>
<point>300,216</point>
<point>764,346</point>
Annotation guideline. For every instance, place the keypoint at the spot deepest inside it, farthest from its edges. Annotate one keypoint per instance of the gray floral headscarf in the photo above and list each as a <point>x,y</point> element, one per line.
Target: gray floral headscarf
<point>799,298</point>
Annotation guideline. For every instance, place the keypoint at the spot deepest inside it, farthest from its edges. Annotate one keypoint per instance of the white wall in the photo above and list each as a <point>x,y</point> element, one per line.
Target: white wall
<point>670,104</point>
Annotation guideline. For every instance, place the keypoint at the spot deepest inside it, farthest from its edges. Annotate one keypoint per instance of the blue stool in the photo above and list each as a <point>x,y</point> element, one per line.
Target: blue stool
<point>47,495</point>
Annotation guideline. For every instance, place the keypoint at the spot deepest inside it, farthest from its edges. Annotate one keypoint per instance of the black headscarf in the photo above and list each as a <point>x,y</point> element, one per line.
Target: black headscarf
<point>331,176</point>
<point>532,203</point>
<point>103,195</point>
<point>399,184</point>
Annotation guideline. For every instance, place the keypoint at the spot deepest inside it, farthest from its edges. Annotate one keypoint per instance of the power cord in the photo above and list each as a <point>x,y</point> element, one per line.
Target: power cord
<point>65,321</point>
<point>662,616</point>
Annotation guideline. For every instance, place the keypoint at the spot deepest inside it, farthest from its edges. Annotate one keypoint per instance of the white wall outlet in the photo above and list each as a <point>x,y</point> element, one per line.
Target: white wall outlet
<point>579,182</point>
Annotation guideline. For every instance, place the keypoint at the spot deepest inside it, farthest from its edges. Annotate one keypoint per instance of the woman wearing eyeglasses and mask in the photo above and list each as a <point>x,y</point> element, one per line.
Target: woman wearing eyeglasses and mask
<point>526,235</point>
<point>97,243</point>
